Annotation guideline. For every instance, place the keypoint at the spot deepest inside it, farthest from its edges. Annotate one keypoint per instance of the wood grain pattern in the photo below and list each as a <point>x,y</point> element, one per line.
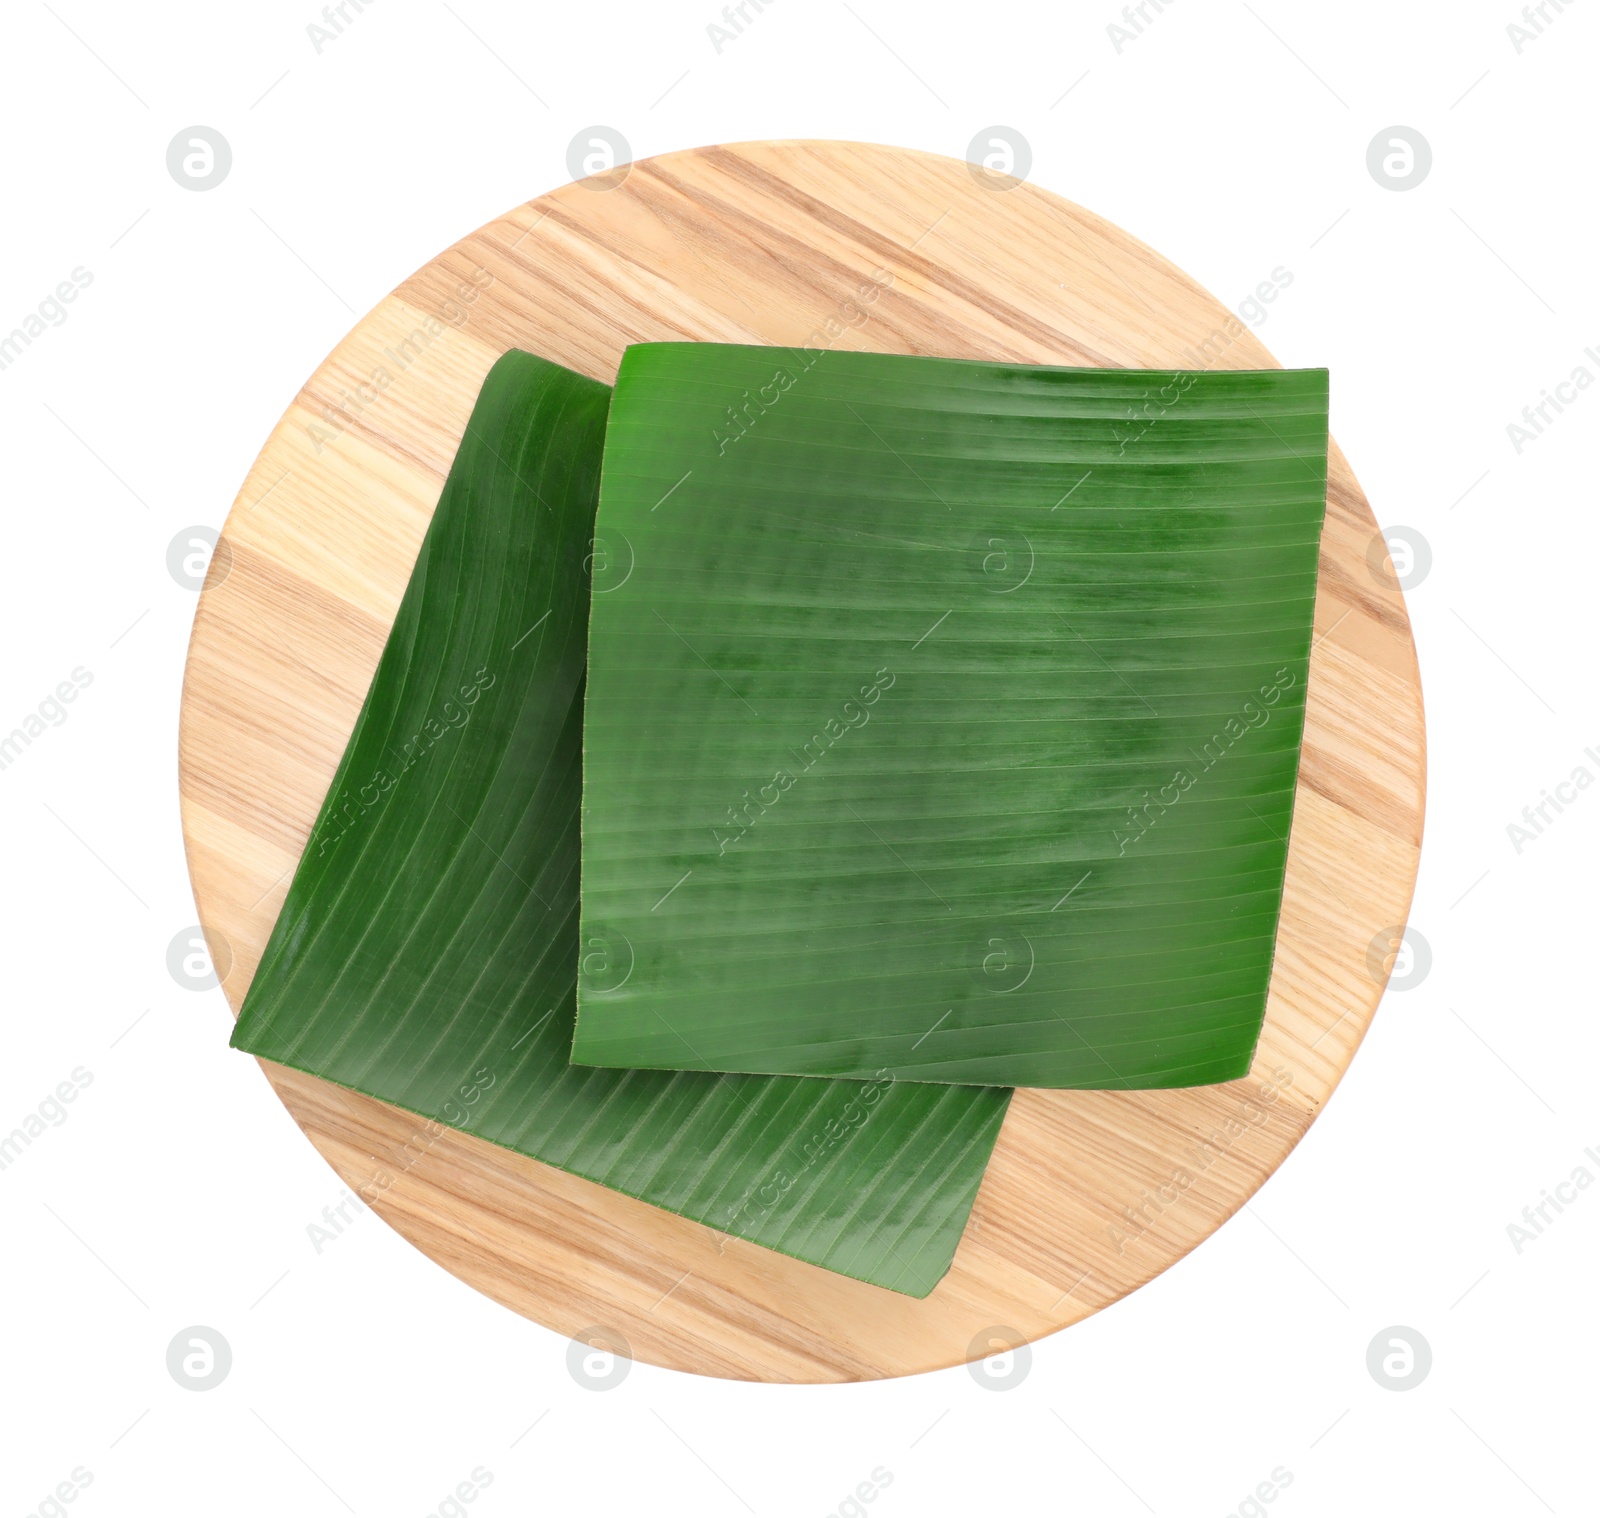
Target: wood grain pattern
<point>1089,1194</point>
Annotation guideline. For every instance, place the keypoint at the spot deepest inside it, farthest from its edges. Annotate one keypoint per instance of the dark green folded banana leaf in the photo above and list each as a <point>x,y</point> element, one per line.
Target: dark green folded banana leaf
<point>944,717</point>
<point>427,952</point>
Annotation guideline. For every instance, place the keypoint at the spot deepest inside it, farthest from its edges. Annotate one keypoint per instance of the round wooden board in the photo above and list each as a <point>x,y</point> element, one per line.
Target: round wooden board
<point>1089,1194</point>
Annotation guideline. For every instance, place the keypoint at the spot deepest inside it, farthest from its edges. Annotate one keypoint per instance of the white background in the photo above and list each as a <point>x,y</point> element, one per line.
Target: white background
<point>366,1379</point>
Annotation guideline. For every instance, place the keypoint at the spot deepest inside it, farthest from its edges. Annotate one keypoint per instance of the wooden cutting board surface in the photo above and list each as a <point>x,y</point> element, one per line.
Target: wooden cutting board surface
<point>823,244</point>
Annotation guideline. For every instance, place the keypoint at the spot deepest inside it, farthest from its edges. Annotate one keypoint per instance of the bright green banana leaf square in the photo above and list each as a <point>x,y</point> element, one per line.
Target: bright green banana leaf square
<point>943,717</point>
<point>427,952</point>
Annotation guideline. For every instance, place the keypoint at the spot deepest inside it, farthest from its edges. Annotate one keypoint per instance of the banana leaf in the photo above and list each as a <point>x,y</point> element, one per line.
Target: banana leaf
<point>947,718</point>
<point>427,952</point>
